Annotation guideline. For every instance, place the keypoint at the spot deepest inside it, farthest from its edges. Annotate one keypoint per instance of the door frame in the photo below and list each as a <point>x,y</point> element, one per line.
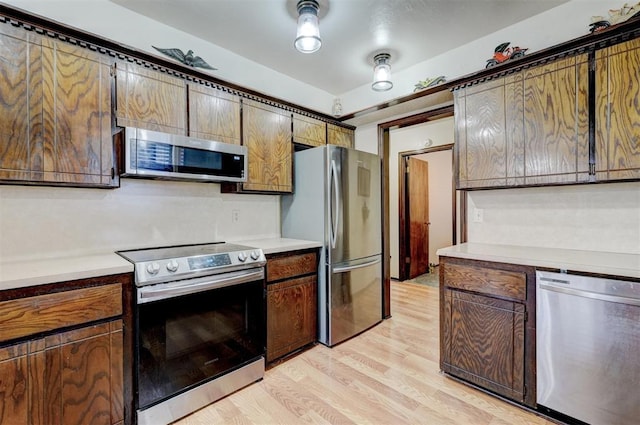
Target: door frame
<point>383,152</point>
<point>403,212</point>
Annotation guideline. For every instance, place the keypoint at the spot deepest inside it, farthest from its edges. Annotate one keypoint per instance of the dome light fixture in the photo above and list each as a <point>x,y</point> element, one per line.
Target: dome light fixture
<point>381,72</point>
<point>308,35</point>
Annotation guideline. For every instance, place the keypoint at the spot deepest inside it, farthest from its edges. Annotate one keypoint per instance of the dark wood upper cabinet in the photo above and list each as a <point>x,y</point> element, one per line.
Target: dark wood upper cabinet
<point>214,114</point>
<point>55,112</point>
<point>309,131</point>
<point>617,90</point>
<point>556,122</point>
<point>527,128</point>
<point>266,132</point>
<point>340,136</point>
<point>150,99</point>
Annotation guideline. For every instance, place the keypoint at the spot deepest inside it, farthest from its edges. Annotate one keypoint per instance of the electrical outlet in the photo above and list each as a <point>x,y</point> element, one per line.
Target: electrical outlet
<point>478,214</point>
<point>235,216</point>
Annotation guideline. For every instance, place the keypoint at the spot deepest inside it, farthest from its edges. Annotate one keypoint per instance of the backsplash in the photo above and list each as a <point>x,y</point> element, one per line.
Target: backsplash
<point>595,217</point>
<point>49,222</point>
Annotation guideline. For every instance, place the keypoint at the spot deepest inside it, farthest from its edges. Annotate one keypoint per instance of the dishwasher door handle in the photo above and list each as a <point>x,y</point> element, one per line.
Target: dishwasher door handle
<point>589,294</point>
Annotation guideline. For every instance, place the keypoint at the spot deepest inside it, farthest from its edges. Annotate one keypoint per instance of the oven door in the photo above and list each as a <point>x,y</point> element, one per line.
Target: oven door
<point>192,331</point>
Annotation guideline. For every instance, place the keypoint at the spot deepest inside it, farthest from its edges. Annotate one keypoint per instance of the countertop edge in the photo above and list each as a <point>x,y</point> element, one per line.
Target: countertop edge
<point>606,263</point>
<point>55,270</point>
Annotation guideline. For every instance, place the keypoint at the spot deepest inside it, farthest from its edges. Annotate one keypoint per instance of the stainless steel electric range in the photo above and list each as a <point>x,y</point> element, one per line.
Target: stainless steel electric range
<point>200,326</point>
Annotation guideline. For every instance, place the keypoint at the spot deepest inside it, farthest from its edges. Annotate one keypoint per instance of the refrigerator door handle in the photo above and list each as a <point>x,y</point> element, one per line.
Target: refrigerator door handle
<point>357,266</point>
<point>335,221</point>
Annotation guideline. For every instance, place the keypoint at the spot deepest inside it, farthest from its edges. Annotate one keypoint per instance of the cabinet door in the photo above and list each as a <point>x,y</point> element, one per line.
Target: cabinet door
<point>149,99</point>
<point>340,136</point>
<point>55,112</point>
<point>214,114</point>
<point>484,342</point>
<point>618,111</point>
<point>20,105</point>
<point>266,132</point>
<point>291,315</point>
<point>556,122</point>
<point>309,131</point>
<point>68,378</point>
<point>78,146</point>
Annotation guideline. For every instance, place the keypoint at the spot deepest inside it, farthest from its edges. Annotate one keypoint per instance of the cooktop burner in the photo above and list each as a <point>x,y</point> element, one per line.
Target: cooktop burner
<point>170,263</point>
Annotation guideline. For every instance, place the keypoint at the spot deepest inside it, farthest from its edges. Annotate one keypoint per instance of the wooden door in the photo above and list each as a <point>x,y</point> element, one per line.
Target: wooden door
<point>417,220</point>
<point>618,111</point>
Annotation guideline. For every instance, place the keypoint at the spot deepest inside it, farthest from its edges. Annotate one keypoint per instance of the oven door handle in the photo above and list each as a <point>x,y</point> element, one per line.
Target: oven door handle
<point>191,286</point>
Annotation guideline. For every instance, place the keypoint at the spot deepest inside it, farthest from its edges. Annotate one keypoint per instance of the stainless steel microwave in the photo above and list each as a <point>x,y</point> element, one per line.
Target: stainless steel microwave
<point>161,155</point>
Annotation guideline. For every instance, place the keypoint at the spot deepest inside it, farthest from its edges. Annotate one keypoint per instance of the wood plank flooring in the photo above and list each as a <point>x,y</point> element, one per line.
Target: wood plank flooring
<point>387,375</point>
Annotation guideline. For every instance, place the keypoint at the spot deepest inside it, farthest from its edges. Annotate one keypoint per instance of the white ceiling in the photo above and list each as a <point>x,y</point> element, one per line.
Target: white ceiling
<point>352,31</point>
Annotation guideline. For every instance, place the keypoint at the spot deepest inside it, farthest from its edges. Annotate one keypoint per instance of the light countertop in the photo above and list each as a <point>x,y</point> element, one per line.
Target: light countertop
<point>51,270</point>
<point>277,245</point>
<point>609,263</point>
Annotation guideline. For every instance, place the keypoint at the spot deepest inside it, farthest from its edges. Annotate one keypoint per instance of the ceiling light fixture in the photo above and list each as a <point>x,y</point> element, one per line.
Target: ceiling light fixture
<point>381,72</point>
<point>308,34</point>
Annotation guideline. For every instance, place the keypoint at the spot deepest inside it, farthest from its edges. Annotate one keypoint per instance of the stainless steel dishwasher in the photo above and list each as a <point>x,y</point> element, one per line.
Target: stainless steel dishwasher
<point>588,347</point>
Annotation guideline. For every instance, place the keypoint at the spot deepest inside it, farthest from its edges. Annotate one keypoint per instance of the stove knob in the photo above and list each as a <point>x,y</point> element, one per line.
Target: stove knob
<point>242,257</point>
<point>153,268</point>
<point>172,266</point>
<point>255,255</point>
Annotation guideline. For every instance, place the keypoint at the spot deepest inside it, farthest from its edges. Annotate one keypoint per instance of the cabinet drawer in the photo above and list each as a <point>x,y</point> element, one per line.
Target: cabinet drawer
<point>291,265</point>
<point>502,283</point>
<point>27,316</point>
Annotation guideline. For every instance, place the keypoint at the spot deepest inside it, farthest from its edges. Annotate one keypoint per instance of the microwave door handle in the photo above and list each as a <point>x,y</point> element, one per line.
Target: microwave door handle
<point>335,220</point>
<point>170,290</point>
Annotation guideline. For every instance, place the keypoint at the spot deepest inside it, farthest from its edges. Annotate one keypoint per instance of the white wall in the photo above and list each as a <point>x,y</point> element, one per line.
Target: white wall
<point>47,222</point>
<point>409,139</point>
<point>597,217</point>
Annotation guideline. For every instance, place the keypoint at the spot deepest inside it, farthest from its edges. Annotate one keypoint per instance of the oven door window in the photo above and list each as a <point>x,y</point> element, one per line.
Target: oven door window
<point>191,339</point>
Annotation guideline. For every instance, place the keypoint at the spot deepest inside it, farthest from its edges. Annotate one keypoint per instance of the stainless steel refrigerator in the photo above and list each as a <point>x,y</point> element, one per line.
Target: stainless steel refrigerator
<point>337,200</point>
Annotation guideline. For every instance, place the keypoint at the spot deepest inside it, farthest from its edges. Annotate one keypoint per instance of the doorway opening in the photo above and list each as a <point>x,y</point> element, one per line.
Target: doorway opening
<point>426,210</point>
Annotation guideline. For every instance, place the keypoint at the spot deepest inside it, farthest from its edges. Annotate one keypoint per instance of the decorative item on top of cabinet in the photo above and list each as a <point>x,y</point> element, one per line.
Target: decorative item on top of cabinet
<point>617,112</point>
<point>65,353</point>
<point>55,120</point>
<point>340,136</point>
<point>214,114</point>
<point>309,131</point>
<point>266,132</point>
<point>292,280</point>
<point>150,99</point>
<point>527,128</point>
<point>487,326</point>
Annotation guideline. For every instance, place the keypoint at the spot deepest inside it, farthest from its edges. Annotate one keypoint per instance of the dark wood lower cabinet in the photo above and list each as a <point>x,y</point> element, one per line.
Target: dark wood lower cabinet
<point>64,354</point>
<point>292,282</point>
<point>69,378</point>
<point>487,326</point>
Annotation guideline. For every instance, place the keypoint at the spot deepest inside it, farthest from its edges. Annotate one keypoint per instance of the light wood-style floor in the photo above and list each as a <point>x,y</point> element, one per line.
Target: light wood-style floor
<point>387,375</point>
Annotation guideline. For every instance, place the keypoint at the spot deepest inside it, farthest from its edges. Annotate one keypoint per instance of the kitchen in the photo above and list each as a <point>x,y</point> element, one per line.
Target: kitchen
<point>80,222</point>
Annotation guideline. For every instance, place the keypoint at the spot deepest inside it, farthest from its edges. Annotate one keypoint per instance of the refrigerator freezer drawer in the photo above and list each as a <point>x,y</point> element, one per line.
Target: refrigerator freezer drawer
<point>355,300</point>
